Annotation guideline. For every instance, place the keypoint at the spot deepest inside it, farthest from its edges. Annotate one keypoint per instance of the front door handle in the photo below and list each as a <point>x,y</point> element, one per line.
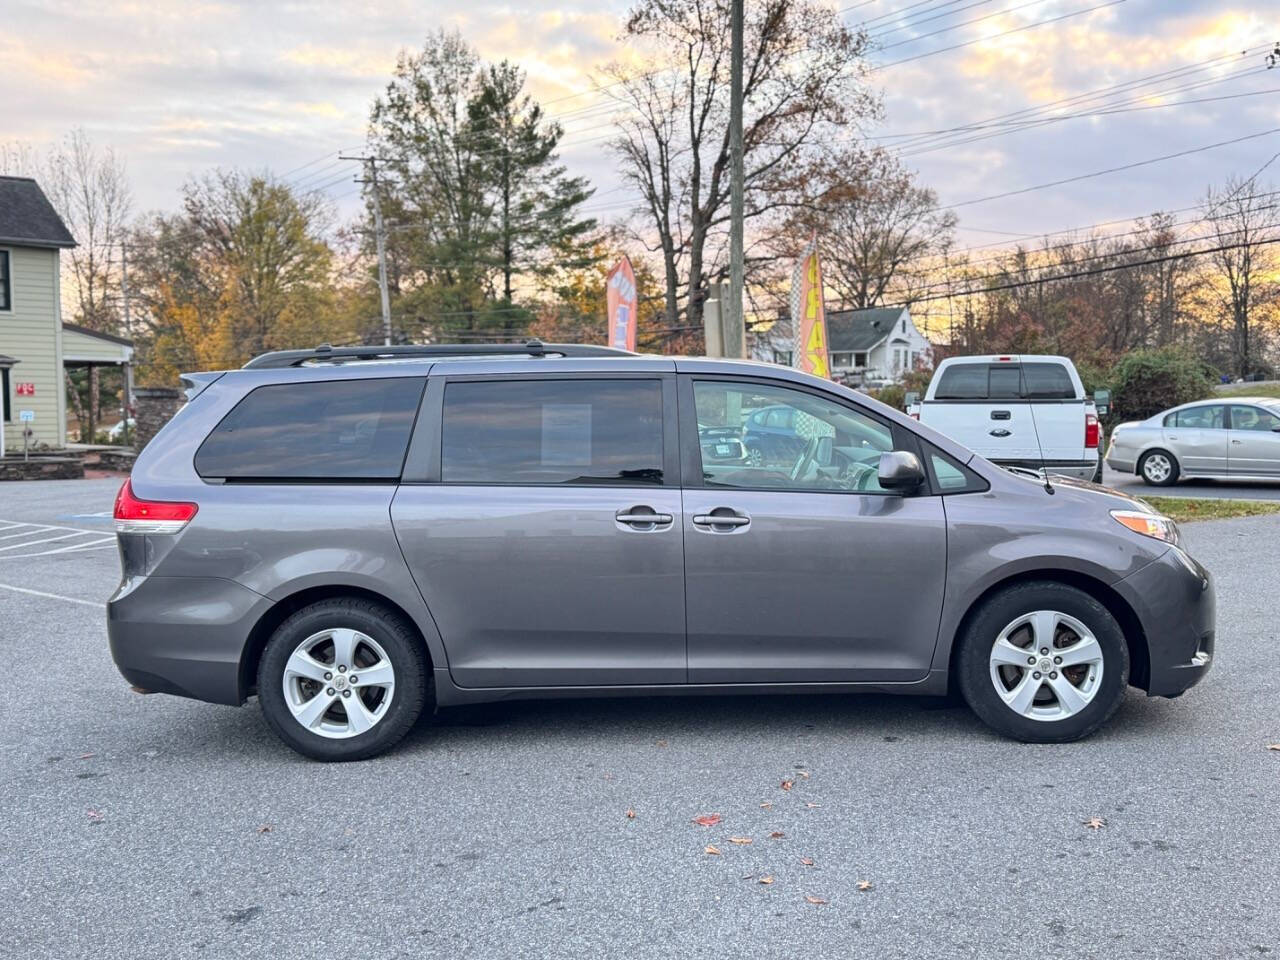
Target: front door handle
<point>721,520</point>
<point>643,517</point>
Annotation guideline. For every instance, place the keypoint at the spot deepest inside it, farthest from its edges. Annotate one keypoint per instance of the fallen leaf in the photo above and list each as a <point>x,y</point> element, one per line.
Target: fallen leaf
<point>1095,823</point>
<point>662,743</point>
<point>741,841</point>
<point>777,835</point>
<point>814,900</point>
<point>86,756</point>
<point>767,805</point>
<point>864,884</point>
<point>631,814</point>
<point>807,861</point>
<point>787,784</point>
<point>766,880</point>
<point>813,806</point>
<point>711,851</point>
<point>803,773</point>
<point>95,816</point>
<point>1273,746</point>
<point>707,820</point>
<point>265,828</point>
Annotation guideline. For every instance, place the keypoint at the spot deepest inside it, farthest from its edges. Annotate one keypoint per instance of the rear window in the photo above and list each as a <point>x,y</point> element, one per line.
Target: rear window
<point>334,430</point>
<point>552,432</point>
<point>1006,381</point>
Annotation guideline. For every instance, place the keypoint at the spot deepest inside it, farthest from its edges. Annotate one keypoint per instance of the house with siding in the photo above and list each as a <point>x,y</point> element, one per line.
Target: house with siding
<point>880,344</point>
<point>35,345</point>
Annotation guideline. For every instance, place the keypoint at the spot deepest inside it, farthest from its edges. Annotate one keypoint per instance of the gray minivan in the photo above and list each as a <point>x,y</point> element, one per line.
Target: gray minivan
<point>359,535</point>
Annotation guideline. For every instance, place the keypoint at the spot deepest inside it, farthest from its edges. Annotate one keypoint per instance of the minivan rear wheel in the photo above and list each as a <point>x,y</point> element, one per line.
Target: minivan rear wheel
<point>342,679</point>
<point>1043,662</point>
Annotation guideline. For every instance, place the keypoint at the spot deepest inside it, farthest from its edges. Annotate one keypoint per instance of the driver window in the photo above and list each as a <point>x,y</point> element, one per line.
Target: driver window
<point>766,437</point>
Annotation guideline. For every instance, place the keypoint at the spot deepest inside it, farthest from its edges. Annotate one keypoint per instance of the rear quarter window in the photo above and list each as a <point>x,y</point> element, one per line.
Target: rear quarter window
<point>333,430</point>
<point>963,381</point>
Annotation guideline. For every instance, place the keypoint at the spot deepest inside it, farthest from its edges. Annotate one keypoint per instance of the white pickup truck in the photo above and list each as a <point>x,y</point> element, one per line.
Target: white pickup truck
<point>1028,412</point>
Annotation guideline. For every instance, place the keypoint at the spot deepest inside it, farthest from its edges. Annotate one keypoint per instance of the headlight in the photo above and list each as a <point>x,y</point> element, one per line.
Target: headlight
<point>1148,524</point>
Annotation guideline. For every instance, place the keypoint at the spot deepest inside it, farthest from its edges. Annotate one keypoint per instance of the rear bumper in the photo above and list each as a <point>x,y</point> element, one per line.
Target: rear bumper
<point>1174,599</point>
<point>183,635</point>
<point>1121,465</point>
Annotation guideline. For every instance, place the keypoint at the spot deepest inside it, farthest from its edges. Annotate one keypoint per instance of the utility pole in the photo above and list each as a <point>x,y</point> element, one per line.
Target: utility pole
<point>126,388</point>
<point>371,164</point>
<point>735,331</point>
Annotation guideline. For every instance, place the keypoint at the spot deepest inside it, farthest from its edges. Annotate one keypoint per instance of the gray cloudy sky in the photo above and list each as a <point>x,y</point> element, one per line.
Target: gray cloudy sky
<point>177,88</point>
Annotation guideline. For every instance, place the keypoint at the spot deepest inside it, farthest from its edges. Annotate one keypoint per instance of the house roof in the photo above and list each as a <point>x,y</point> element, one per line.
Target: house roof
<point>860,329</point>
<point>27,218</point>
<point>98,334</point>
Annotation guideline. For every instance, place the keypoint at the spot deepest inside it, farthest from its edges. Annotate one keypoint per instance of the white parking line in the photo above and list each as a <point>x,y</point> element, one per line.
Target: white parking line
<point>52,596</point>
<point>34,534</point>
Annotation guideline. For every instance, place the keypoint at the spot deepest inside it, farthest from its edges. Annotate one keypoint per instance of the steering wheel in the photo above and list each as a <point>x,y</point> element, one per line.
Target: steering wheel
<point>807,459</point>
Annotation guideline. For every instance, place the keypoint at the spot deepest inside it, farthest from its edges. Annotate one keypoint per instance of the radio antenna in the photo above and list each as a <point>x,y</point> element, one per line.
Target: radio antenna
<point>1031,408</point>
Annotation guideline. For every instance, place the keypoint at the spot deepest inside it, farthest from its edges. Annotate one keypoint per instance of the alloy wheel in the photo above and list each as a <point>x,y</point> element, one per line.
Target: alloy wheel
<point>338,683</point>
<point>1046,665</point>
<point>1157,468</point>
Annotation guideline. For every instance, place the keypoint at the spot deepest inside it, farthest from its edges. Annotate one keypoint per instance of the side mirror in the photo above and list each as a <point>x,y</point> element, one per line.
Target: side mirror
<point>901,471</point>
<point>1102,400</point>
<point>911,398</point>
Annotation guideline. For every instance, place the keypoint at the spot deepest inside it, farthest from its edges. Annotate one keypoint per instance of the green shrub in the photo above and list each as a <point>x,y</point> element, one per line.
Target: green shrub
<point>1145,382</point>
<point>894,395</point>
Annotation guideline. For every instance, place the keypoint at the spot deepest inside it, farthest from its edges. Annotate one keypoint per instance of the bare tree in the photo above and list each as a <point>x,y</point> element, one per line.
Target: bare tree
<point>89,188</point>
<point>1245,223</point>
<point>803,76</point>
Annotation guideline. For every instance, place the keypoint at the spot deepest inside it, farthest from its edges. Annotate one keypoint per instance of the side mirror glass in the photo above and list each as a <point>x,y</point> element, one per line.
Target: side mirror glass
<point>901,471</point>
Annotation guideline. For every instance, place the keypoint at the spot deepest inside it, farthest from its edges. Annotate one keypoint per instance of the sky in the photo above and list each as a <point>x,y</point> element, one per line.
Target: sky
<point>178,88</point>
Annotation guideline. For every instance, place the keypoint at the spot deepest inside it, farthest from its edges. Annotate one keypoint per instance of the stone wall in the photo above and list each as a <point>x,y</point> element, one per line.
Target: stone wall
<point>41,467</point>
<point>156,407</point>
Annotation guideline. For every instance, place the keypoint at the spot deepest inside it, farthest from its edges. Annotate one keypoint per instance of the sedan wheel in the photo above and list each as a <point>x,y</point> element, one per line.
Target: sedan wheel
<point>1159,468</point>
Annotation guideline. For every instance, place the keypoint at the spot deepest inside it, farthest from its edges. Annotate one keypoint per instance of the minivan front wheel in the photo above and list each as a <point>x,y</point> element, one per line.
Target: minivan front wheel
<point>343,679</point>
<point>1043,662</point>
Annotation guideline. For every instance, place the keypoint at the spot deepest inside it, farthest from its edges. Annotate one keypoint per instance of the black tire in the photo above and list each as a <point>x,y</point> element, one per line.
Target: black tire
<point>1097,474</point>
<point>973,671</point>
<point>1167,481</point>
<point>403,649</point>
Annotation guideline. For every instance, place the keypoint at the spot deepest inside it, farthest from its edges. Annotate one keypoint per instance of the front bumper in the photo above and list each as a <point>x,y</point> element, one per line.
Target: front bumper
<point>1174,600</point>
<point>183,635</point>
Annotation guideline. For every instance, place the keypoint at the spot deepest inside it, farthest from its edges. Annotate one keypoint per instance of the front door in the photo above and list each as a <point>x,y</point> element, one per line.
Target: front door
<point>1198,438</point>
<point>805,571</point>
<point>1254,447</point>
<point>550,550</point>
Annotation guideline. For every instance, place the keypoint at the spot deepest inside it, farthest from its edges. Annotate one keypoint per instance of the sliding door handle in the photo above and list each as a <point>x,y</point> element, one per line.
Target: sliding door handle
<point>726,519</point>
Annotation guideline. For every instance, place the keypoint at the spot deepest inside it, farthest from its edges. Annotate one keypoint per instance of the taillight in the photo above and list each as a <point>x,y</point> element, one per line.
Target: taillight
<point>150,516</point>
<point>1091,431</point>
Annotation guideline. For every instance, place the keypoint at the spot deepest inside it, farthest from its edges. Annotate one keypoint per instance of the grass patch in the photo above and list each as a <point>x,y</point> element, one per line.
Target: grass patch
<point>1251,390</point>
<point>1184,509</point>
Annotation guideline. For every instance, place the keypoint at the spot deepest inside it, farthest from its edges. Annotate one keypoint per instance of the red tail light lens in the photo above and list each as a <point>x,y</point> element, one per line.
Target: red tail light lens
<point>1091,431</point>
<point>150,516</point>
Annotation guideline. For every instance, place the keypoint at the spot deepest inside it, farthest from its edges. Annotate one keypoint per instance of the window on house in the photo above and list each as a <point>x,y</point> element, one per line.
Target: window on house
<point>782,357</point>
<point>842,359</point>
<point>6,288</point>
<point>860,359</point>
<point>4,395</point>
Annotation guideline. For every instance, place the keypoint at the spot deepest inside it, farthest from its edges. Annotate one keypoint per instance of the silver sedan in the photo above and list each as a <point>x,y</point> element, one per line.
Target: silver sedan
<point>1236,439</point>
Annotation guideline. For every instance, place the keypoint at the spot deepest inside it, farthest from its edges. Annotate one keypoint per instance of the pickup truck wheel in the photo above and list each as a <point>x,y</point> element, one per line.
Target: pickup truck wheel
<point>1097,474</point>
<point>342,679</point>
<point>1159,468</point>
<point>1043,662</point>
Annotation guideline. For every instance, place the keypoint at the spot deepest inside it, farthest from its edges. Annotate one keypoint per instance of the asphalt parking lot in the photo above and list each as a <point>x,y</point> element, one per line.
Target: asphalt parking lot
<point>1215,489</point>
<point>152,826</point>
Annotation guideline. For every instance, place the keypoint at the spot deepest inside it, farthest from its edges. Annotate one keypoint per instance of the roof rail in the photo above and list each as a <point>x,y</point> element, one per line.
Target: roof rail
<point>325,353</point>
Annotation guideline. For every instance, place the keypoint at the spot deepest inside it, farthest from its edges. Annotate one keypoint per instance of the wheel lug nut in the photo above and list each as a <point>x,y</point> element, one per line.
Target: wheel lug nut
<point>328,676</point>
<point>329,691</point>
<point>1057,659</point>
<point>1031,659</point>
<point>342,669</point>
<point>354,679</point>
<point>1036,675</point>
<point>1054,675</point>
<point>346,693</point>
<point>1044,650</point>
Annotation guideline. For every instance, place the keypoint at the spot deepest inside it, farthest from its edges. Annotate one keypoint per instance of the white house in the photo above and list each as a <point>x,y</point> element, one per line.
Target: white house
<point>862,345</point>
